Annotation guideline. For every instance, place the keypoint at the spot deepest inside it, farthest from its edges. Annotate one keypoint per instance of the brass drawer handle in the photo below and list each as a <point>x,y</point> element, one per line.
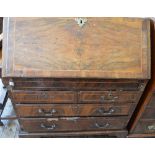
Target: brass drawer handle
<point>102,98</point>
<point>141,86</point>
<point>151,127</point>
<point>11,85</point>
<point>104,112</point>
<point>47,113</point>
<point>103,126</point>
<point>110,98</point>
<point>48,127</point>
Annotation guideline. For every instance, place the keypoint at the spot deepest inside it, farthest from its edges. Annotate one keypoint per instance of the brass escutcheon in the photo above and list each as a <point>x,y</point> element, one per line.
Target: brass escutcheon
<point>81,21</point>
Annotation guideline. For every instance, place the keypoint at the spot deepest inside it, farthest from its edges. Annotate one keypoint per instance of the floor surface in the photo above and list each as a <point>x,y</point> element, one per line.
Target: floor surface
<point>11,127</point>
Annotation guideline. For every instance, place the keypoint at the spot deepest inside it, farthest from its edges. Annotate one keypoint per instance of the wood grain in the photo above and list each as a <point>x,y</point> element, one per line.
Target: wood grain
<point>144,113</point>
<point>75,84</point>
<point>143,125</point>
<point>108,96</point>
<point>57,110</point>
<point>72,124</point>
<point>148,135</point>
<point>58,47</point>
<point>84,134</point>
<point>43,96</point>
<point>19,96</point>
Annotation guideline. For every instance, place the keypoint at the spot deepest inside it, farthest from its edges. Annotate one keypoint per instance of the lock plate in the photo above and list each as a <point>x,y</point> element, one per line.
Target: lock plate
<point>81,21</point>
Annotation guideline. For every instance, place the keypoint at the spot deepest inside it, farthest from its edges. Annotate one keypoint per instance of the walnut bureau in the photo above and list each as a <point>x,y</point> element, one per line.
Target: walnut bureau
<point>75,77</point>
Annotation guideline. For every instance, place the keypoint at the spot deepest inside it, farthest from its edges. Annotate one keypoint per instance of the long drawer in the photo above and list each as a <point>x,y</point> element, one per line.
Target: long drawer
<point>74,97</point>
<point>77,84</point>
<point>52,110</point>
<point>72,124</point>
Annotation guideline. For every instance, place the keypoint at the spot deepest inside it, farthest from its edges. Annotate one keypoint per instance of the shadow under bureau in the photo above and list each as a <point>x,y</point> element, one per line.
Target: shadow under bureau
<point>75,77</point>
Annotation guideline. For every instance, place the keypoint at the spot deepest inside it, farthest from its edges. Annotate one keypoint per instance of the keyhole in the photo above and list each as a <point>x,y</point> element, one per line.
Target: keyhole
<point>80,21</point>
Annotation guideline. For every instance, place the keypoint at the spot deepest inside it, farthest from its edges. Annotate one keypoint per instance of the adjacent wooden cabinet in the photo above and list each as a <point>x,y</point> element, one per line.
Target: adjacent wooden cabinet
<point>75,77</point>
<point>142,123</point>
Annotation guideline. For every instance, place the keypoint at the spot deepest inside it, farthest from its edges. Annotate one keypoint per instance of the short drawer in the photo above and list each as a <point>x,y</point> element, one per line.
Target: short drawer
<point>145,126</point>
<point>52,110</point>
<point>43,96</point>
<point>108,96</point>
<point>72,124</point>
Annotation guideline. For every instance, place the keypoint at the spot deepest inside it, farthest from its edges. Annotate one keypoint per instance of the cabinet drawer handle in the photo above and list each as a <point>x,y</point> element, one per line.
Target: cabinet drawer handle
<point>103,126</point>
<point>102,98</point>
<point>47,113</point>
<point>151,127</point>
<point>104,112</point>
<point>110,98</point>
<point>141,86</point>
<point>48,127</point>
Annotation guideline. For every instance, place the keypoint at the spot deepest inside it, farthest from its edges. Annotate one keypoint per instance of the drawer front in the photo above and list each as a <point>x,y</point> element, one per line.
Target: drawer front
<point>78,84</point>
<point>52,110</point>
<point>108,96</point>
<point>152,100</point>
<point>43,96</point>
<point>145,126</point>
<point>72,124</point>
<point>149,113</point>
